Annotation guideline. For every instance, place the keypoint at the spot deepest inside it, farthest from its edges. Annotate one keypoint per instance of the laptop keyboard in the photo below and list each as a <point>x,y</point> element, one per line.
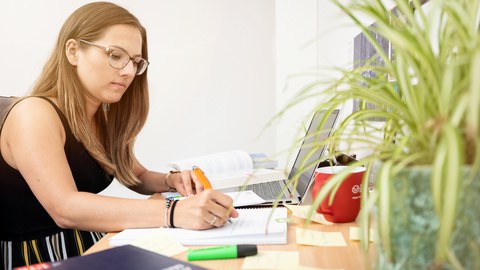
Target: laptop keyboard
<point>268,191</point>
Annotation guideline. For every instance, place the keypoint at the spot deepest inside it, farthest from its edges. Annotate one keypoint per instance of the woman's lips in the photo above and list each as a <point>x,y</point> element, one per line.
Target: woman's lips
<point>119,85</point>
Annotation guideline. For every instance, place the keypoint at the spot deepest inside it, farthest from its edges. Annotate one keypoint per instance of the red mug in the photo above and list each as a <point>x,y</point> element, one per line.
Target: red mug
<point>346,203</point>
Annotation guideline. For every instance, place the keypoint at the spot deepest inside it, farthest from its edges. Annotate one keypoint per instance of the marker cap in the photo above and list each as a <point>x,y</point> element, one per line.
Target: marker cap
<point>222,252</point>
<point>246,250</point>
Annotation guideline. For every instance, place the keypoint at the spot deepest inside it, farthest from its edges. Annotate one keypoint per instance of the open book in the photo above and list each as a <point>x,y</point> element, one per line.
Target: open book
<point>229,169</point>
<point>253,226</point>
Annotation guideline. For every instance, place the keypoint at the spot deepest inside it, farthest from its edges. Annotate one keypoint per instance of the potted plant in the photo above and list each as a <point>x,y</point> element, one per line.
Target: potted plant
<point>427,188</point>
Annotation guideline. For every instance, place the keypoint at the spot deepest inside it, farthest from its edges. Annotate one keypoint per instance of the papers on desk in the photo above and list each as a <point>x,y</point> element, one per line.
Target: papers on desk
<point>278,260</point>
<point>318,238</point>
<point>272,260</point>
<point>301,211</point>
<point>245,198</point>
<point>159,241</point>
<point>251,227</point>
<point>354,233</point>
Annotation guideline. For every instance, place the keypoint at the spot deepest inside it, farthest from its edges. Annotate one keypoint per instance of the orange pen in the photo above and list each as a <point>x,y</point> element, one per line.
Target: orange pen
<point>201,177</point>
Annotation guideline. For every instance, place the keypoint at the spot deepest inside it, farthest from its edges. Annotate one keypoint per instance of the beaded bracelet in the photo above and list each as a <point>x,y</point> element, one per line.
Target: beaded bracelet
<point>170,189</point>
<point>171,213</point>
<point>168,202</point>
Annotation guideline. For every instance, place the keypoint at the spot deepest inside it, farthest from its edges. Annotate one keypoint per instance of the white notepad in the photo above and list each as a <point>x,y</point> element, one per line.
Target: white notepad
<point>249,228</point>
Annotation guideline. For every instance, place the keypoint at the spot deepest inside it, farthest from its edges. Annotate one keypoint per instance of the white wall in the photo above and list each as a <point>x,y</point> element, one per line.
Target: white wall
<point>219,68</point>
<point>211,74</point>
<point>311,35</point>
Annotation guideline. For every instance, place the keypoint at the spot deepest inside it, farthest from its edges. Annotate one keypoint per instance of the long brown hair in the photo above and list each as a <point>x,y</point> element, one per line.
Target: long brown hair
<point>117,127</point>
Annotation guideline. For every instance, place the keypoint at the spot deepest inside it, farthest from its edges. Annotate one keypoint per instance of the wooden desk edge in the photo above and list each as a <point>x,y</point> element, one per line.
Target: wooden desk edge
<point>314,256</point>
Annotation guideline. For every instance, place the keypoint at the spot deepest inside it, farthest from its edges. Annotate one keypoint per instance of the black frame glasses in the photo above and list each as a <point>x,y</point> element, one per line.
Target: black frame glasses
<point>118,58</point>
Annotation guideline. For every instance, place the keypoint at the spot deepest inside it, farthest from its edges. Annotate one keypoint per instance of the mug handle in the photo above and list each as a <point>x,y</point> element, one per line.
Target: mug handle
<point>324,207</point>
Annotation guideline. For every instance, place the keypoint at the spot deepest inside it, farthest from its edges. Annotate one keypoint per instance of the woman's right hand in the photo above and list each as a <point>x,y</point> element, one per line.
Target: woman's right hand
<point>204,210</point>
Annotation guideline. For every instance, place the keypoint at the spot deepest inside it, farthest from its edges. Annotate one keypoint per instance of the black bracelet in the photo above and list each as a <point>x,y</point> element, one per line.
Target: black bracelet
<point>168,202</point>
<point>171,213</point>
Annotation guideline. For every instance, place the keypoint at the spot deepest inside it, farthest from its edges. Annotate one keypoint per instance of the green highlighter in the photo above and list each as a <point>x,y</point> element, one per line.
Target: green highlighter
<point>221,252</point>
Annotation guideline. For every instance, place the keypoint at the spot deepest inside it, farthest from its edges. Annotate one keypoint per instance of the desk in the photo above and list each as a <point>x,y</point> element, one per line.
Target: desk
<point>349,257</point>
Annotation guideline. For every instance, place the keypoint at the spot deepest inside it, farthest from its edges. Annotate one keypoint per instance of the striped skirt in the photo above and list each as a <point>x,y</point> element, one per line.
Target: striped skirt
<point>60,246</point>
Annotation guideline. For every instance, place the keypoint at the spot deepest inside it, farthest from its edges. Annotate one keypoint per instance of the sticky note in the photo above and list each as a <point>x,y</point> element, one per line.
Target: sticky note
<point>354,234</point>
<point>279,260</point>
<point>301,211</point>
<point>318,238</point>
<point>161,242</point>
<point>272,260</point>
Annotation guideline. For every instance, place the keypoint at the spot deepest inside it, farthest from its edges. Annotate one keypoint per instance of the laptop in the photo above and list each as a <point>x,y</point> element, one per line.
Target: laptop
<point>270,191</point>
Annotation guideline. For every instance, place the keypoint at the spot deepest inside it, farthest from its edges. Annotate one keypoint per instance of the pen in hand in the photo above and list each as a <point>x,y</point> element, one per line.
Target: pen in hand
<point>204,180</point>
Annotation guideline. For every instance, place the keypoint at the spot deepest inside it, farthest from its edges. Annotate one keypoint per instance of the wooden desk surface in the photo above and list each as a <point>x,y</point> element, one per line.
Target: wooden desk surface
<point>349,257</point>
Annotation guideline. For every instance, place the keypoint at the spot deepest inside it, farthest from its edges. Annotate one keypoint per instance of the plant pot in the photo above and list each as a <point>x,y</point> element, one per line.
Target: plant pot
<point>414,224</point>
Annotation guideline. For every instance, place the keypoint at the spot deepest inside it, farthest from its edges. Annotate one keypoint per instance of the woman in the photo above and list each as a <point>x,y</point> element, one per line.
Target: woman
<point>65,144</point>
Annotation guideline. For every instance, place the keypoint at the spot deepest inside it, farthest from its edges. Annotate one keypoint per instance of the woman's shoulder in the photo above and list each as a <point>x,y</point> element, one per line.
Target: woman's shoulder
<point>32,112</point>
<point>32,125</point>
<point>33,105</point>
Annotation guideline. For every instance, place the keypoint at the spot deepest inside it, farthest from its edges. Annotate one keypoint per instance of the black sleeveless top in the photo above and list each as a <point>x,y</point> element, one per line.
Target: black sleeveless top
<point>22,216</point>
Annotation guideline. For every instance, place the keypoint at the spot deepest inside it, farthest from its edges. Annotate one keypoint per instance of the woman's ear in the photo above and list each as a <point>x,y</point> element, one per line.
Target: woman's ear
<point>71,51</point>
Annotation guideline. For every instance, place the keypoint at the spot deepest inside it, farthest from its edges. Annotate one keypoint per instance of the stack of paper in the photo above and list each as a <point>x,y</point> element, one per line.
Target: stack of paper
<point>261,160</point>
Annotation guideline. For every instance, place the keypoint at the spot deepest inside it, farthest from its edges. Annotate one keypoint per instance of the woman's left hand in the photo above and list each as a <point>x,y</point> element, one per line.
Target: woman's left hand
<point>185,183</point>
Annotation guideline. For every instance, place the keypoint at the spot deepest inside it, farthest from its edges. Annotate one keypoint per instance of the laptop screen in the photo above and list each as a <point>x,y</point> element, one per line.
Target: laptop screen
<point>305,156</point>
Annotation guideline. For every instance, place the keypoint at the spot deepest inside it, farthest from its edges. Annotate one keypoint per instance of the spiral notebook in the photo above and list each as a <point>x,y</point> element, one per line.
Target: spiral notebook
<point>253,226</point>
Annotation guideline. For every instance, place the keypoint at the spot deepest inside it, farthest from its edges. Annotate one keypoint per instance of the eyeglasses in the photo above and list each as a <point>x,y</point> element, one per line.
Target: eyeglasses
<point>118,58</point>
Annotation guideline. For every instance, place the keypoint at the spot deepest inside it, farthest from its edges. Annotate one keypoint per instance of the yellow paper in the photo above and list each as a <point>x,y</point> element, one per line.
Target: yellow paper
<point>301,211</point>
<point>303,267</point>
<point>279,260</point>
<point>317,238</point>
<point>161,242</point>
<point>354,234</point>
<point>272,260</point>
